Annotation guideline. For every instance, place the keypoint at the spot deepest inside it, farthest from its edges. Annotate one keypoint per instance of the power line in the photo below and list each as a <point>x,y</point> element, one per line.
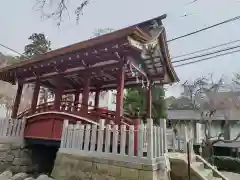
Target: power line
<point>205,49</point>
<point>187,59</point>
<point>11,49</point>
<point>226,21</point>
<point>206,28</point>
<point>205,59</point>
<point>207,54</point>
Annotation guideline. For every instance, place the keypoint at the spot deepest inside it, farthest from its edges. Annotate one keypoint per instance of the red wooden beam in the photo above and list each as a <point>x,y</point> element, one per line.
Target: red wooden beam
<point>58,93</point>
<point>90,56</point>
<point>97,96</point>
<point>85,95</point>
<point>78,70</point>
<point>149,102</point>
<point>35,96</point>
<point>120,95</point>
<point>17,100</point>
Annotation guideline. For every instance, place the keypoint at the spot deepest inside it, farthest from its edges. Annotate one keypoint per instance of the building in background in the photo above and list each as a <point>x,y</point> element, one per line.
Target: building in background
<point>107,100</point>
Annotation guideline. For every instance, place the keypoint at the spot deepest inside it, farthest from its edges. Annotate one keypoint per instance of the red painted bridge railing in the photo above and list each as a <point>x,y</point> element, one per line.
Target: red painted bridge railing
<point>74,108</point>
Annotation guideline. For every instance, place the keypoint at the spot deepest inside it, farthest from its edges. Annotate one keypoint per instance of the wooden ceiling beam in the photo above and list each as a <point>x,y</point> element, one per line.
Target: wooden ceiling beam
<point>133,58</point>
<point>47,84</point>
<point>71,83</point>
<point>88,55</point>
<point>79,70</point>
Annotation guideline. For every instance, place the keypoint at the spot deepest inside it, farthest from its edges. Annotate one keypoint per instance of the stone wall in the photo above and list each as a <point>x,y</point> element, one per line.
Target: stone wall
<point>15,159</point>
<point>72,167</point>
<point>8,175</point>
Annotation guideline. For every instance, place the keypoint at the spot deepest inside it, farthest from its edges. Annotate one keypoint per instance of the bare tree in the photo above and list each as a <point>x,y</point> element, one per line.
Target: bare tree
<point>7,96</point>
<point>207,100</point>
<point>59,8</point>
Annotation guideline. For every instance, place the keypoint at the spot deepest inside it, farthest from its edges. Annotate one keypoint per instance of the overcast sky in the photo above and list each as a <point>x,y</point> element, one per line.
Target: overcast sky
<point>19,20</point>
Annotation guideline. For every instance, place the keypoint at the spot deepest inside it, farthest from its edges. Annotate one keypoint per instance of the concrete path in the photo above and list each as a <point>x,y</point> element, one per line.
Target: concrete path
<point>231,176</point>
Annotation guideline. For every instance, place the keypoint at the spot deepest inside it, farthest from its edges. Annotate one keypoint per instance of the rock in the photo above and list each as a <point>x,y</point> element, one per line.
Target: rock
<point>21,161</point>
<point>6,175</point>
<point>5,147</point>
<point>8,158</point>
<point>29,178</point>
<point>19,176</point>
<point>44,177</point>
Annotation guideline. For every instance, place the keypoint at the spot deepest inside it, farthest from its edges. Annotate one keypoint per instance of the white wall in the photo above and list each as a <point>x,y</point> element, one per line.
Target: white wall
<point>216,129</point>
<point>3,111</point>
<point>234,130</point>
<point>106,100</point>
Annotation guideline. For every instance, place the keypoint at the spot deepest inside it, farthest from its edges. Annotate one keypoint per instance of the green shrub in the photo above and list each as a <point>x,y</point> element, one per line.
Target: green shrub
<point>226,163</point>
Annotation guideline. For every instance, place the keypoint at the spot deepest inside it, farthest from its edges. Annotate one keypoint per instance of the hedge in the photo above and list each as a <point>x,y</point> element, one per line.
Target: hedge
<point>226,163</point>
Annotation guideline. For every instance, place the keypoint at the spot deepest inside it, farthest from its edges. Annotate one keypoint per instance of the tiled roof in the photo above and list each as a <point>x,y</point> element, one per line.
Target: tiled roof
<point>194,115</point>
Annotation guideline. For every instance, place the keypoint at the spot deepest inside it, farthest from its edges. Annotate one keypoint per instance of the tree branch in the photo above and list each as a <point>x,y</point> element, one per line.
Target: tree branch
<point>59,9</point>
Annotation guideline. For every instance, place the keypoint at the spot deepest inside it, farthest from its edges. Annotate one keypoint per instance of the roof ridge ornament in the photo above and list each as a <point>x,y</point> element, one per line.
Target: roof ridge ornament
<point>149,47</point>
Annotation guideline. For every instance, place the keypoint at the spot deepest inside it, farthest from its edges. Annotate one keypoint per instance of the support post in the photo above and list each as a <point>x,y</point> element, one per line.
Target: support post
<point>76,99</point>
<point>35,96</point>
<point>120,95</point>
<point>76,96</point>
<point>85,95</point>
<point>149,102</point>
<point>58,94</point>
<point>17,100</point>
<point>96,99</point>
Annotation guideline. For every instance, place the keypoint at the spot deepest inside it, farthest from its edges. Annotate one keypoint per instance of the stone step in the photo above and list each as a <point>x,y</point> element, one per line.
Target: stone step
<point>176,155</point>
<point>207,173</point>
<point>198,165</point>
<point>215,178</point>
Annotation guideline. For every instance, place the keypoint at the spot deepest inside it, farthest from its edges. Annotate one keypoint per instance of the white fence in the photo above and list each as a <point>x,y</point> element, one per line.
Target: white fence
<point>123,143</point>
<point>12,130</point>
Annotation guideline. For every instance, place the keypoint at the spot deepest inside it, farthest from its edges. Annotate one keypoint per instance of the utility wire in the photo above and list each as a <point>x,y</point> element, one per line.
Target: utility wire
<point>205,49</point>
<point>205,59</point>
<point>206,28</point>
<point>187,59</point>
<point>207,54</point>
<point>11,49</point>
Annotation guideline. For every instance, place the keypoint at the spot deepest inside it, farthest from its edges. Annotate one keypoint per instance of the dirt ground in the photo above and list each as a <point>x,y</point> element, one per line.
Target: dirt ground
<point>231,176</point>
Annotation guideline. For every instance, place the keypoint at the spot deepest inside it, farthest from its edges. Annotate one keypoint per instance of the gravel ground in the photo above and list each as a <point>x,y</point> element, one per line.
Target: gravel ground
<point>231,176</point>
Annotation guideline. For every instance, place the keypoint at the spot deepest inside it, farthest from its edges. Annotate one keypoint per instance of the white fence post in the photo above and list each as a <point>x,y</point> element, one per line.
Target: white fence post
<point>64,134</point>
<point>163,124</point>
<point>141,140</point>
<point>115,139</point>
<point>100,136</point>
<point>83,139</point>
<point>75,136</point>
<point>22,124</point>
<point>150,138</point>
<point>87,137</point>
<point>108,138</point>
<point>12,131</point>
<point>174,141</point>
<point>123,140</point>
<point>131,141</point>
<point>185,138</point>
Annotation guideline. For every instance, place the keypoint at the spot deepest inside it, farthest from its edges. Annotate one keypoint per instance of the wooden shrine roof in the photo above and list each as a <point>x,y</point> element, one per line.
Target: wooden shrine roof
<point>102,55</point>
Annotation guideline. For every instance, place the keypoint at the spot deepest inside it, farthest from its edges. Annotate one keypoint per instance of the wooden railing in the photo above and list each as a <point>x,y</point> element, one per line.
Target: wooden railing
<point>216,173</point>
<point>75,108</point>
<point>114,142</point>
